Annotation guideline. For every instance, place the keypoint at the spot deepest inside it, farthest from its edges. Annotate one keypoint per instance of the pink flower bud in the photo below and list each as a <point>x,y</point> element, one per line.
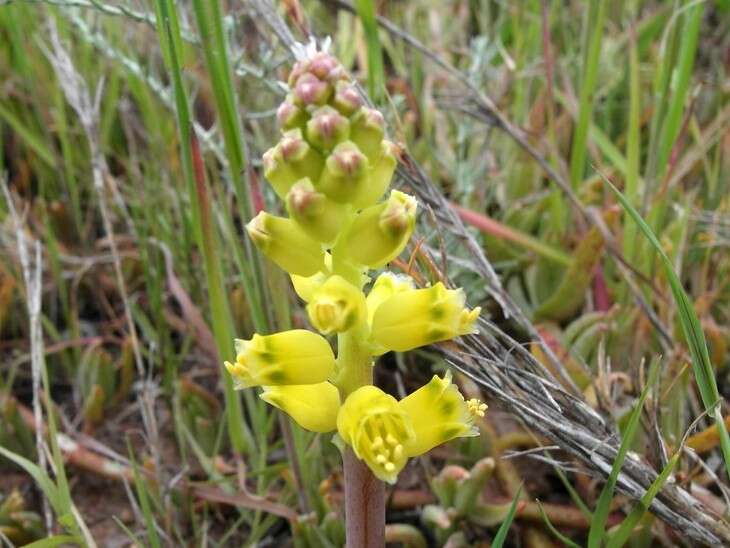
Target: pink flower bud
<point>322,65</point>
<point>309,90</point>
<point>345,173</point>
<point>327,128</point>
<point>347,100</point>
<point>289,115</point>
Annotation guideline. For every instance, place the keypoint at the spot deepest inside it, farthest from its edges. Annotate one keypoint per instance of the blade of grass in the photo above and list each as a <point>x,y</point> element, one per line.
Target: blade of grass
<point>204,229</point>
<point>603,507</point>
<point>701,365</point>
<point>215,49</point>
<point>621,536</point>
<point>587,88</point>
<point>501,535</point>
<point>376,74</point>
<point>633,143</point>
<point>560,536</point>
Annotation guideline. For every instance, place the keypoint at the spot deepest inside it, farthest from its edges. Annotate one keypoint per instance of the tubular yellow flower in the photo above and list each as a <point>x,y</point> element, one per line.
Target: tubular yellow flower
<point>367,131</point>
<point>282,241</point>
<point>336,306</point>
<point>377,429</point>
<point>317,215</point>
<point>416,318</point>
<point>312,406</point>
<point>439,413</point>
<point>290,357</point>
<point>381,173</point>
<point>380,232</point>
<point>387,285</point>
<point>290,160</point>
<point>345,173</point>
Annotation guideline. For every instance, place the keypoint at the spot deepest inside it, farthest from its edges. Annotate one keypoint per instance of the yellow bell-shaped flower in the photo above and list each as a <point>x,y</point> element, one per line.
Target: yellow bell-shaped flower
<point>290,357</point>
<point>438,414</point>
<point>317,215</point>
<point>386,285</point>
<point>284,242</point>
<point>312,406</point>
<point>336,306</point>
<point>410,319</point>
<point>379,177</point>
<point>377,429</point>
<point>380,232</point>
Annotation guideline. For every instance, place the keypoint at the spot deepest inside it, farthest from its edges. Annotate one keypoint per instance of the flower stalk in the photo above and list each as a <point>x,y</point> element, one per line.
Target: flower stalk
<point>331,168</point>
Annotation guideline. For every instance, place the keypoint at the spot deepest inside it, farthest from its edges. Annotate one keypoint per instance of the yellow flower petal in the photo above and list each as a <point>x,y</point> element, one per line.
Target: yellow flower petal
<point>336,306</point>
<point>410,319</point>
<point>371,422</point>
<point>290,357</point>
<point>312,406</point>
<point>387,285</point>
<point>439,413</point>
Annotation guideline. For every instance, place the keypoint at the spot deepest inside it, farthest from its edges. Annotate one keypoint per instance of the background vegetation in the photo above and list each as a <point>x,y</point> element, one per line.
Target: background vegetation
<point>130,143</point>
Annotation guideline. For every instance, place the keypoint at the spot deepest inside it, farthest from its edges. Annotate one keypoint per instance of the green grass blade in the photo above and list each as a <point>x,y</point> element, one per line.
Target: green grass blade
<point>603,507</point>
<point>633,145</point>
<point>701,365</point>
<point>560,536</point>
<point>205,230</point>
<point>680,83</point>
<point>587,88</point>
<point>51,542</point>
<point>621,536</point>
<point>376,73</point>
<point>501,535</point>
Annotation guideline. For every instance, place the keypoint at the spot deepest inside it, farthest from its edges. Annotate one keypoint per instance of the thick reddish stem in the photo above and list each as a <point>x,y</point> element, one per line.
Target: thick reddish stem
<point>364,504</point>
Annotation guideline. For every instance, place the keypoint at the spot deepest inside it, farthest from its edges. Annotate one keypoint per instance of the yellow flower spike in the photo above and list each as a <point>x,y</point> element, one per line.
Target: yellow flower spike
<point>317,215</point>
<point>290,357</point>
<point>282,241</point>
<point>380,232</point>
<point>439,413</point>
<point>336,306</point>
<point>416,318</point>
<point>378,430</point>
<point>312,406</point>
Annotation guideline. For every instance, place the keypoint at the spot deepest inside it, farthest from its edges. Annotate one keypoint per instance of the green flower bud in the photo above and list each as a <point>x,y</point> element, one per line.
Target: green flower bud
<point>347,100</point>
<point>310,90</point>
<point>367,128</point>
<point>291,160</point>
<point>282,241</point>
<point>345,172</point>
<point>317,215</point>
<point>380,232</point>
<point>289,115</point>
<point>327,128</point>
<point>336,306</point>
<point>379,177</point>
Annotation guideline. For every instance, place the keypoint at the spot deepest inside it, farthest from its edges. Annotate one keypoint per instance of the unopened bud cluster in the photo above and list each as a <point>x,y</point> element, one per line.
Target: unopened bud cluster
<point>332,167</point>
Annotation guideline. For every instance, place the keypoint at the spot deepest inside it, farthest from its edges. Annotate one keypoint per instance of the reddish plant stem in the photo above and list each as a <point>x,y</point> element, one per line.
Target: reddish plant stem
<point>364,504</point>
